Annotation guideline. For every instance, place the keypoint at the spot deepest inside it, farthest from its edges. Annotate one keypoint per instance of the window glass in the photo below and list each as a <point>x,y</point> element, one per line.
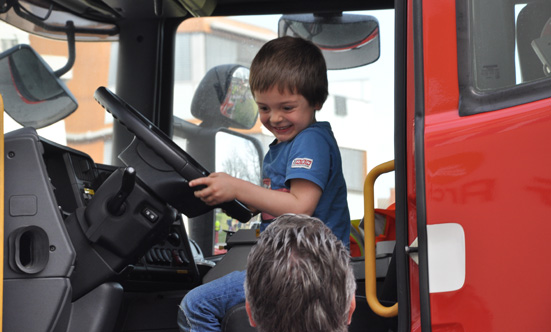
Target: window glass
<point>510,43</point>
<point>533,31</point>
<point>503,53</point>
<point>220,51</point>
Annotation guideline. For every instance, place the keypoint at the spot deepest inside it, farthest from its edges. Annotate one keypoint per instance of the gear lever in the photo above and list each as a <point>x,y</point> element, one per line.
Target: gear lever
<point>115,206</point>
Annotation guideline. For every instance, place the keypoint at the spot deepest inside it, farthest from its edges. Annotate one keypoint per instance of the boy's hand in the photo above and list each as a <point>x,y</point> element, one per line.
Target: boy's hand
<point>220,188</point>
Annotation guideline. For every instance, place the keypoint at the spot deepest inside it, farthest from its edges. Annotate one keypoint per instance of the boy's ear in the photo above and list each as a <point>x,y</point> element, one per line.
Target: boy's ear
<point>318,106</point>
<point>248,309</point>
<point>352,308</point>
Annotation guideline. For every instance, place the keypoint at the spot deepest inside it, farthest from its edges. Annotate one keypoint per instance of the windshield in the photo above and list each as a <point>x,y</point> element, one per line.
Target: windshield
<point>359,107</point>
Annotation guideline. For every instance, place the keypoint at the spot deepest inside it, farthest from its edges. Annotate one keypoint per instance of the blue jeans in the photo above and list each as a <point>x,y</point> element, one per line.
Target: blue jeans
<point>203,308</point>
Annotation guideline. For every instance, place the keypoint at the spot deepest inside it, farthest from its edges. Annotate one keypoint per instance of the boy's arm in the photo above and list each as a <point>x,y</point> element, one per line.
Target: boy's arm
<point>303,197</point>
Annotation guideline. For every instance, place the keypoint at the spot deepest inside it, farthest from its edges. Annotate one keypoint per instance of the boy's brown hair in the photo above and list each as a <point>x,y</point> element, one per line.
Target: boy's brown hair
<point>291,64</point>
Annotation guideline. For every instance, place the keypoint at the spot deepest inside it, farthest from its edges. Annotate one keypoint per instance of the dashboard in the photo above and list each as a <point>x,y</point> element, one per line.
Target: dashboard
<point>169,264</point>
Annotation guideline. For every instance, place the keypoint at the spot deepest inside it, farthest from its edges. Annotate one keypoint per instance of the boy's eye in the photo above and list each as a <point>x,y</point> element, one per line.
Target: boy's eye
<point>263,108</point>
<point>288,108</point>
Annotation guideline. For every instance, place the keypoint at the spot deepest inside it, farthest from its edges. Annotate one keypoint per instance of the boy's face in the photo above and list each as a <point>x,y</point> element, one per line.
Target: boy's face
<point>284,114</point>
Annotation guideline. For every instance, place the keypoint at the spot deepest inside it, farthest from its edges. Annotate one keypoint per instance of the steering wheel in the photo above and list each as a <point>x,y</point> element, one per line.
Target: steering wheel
<point>178,160</point>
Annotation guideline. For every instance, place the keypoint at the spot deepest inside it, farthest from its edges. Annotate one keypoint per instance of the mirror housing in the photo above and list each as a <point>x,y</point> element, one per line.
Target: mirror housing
<point>346,40</point>
<point>33,95</point>
<point>224,98</point>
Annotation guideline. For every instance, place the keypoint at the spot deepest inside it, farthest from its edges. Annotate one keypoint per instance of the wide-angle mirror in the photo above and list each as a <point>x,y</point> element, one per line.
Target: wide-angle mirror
<point>224,98</point>
<point>33,95</point>
<point>346,40</point>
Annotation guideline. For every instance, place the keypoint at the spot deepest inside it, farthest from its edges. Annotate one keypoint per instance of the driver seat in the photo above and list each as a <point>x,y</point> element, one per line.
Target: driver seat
<point>237,320</point>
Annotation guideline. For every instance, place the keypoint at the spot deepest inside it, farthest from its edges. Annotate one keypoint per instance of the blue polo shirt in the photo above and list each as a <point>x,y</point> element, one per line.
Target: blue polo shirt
<point>312,155</point>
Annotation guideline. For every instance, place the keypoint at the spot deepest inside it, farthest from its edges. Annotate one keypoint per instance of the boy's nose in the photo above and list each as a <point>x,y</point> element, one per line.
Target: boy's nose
<point>276,117</point>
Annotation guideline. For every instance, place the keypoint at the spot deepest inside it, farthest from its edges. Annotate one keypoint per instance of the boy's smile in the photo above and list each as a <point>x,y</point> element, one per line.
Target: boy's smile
<point>284,114</point>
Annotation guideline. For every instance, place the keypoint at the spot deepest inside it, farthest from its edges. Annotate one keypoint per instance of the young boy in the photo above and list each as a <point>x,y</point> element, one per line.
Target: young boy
<point>302,170</point>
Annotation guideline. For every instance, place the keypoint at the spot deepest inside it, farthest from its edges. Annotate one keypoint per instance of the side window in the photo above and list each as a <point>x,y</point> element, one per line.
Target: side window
<point>534,40</point>
<point>503,53</point>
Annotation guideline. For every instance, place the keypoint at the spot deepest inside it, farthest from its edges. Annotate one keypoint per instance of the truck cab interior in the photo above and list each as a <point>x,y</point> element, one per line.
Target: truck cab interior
<point>114,241</point>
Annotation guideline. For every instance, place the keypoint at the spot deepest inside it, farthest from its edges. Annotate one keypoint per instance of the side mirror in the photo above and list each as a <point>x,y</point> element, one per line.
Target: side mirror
<point>346,40</point>
<point>224,98</point>
<point>33,95</point>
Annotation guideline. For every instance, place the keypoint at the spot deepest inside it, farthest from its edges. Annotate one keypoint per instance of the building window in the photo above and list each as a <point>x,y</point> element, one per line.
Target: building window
<point>340,106</point>
<point>182,64</point>
<point>353,168</point>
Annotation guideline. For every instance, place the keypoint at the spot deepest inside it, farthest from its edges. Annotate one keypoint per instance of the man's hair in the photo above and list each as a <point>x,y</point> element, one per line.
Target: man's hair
<point>299,277</point>
<point>291,64</point>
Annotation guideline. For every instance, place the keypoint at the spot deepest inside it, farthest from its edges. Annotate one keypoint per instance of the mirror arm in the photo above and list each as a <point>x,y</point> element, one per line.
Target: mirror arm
<point>72,53</point>
<point>5,6</point>
<point>329,15</point>
<point>184,129</point>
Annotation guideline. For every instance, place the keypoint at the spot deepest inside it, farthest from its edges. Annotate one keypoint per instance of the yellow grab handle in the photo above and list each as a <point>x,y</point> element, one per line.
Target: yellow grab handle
<point>369,242</point>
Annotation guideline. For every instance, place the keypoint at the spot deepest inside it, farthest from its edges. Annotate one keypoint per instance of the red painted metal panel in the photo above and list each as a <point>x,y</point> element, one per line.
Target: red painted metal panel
<point>490,173</point>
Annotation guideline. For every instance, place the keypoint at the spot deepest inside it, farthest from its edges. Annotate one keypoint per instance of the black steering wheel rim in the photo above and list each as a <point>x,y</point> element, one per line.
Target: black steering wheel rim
<point>180,161</point>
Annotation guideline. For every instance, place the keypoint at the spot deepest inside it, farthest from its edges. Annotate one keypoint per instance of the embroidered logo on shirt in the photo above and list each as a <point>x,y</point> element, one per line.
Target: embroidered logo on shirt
<point>302,163</point>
